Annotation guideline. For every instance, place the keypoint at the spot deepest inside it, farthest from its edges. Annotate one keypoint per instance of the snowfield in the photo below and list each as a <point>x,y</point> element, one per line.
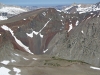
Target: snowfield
<point>12,10</point>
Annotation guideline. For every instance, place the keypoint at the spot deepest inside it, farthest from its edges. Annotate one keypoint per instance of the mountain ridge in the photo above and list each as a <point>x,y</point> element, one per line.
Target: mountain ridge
<point>47,40</point>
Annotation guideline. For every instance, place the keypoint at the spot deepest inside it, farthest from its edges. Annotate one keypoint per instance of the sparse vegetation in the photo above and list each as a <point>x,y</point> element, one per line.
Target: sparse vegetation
<point>55,58</point>
<point>56,62</point>
<point>52,64</point>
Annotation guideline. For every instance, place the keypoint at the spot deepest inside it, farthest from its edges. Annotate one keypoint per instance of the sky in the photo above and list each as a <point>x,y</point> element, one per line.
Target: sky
<point>42,2</point>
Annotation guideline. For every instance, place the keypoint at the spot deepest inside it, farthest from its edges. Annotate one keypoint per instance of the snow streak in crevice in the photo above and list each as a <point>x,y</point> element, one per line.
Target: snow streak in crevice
<point>18,41</point>
<point>36,33</point>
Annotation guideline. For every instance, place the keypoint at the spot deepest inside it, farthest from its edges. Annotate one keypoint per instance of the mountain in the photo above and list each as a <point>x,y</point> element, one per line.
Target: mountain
<point>7,11</point>
<point>81,8</point>
<point>45,41</point>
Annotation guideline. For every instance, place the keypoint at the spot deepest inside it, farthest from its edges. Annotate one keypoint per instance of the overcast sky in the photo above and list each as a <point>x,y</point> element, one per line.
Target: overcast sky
<point>35,2</point>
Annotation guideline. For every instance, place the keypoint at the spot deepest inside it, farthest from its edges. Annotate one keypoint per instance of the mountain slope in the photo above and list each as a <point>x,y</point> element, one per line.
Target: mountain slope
<point>30,41</point>
<point>81,43</point>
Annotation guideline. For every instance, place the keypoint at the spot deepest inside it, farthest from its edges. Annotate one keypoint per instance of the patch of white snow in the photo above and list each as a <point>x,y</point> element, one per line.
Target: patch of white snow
<point>77,22</point>
<point>88,17</point>
<point>30,35</point>
<point>35,58</point>
<point>24,19</point>
<point>25,58</point>
<point>96,68</point>
<point>5,62</point>
<point>70,27</point>
<point>45,25</point>
<point>44,13</point>
<point>82,31</point>
<point>4,71</point>
<point>17,71</point>
<point>59,10</point>
<point>36,33</point>
<point>91,13</point>
<point>61,20</point>
<point>62,16</point>
<point>12,10</point>
<point>18,41</point>
<point>17,54</point>
<point>41,35</point>
<point>45,51</point>
<point>62,23</point>
<point>3,18</point>
<point>13,60</point>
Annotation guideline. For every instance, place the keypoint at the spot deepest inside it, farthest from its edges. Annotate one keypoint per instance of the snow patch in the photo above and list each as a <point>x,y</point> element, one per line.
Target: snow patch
<point>59,10</point>
<point>13,60</point>
<point>45,51</point>
<point>98,16</point>
<point>12,10</point>
<point>36,33</point>
<point>79,5</point>
<point>41,35</point>
<point>35,58</point>
<point>18,41</point>
<point>94,15</point>
<point>96,68</point>
<point>61,20</point>
<point>91,13</point>
<point>17,54</point>
<point>5,62</point>
<point>88,17</point>
<point>70,27</point>
<point>24,19</point>
<point>3,18</point>
<point>44,13</point>
<point>60,29</point>
<point>62,23</point>
<point>77,22</point>
<point>68,8</point>
<point>25,58</point>
<point>4,71</point>
<point>17,71</point>
<point>62,16</point>
<point>45,25</point>
<point>30,35</point>
<point>82,31</point>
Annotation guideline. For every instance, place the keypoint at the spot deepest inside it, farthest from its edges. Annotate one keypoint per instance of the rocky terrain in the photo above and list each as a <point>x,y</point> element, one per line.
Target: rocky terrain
<point>48,41</point>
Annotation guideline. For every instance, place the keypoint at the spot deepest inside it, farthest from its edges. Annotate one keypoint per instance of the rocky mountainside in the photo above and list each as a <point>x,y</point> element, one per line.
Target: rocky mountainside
<point>34,39</point>
<point>34,29</point>
<point>81,43</point>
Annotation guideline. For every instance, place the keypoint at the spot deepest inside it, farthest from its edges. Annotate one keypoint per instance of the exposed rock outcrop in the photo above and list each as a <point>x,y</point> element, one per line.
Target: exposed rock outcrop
<point>82,43</point>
